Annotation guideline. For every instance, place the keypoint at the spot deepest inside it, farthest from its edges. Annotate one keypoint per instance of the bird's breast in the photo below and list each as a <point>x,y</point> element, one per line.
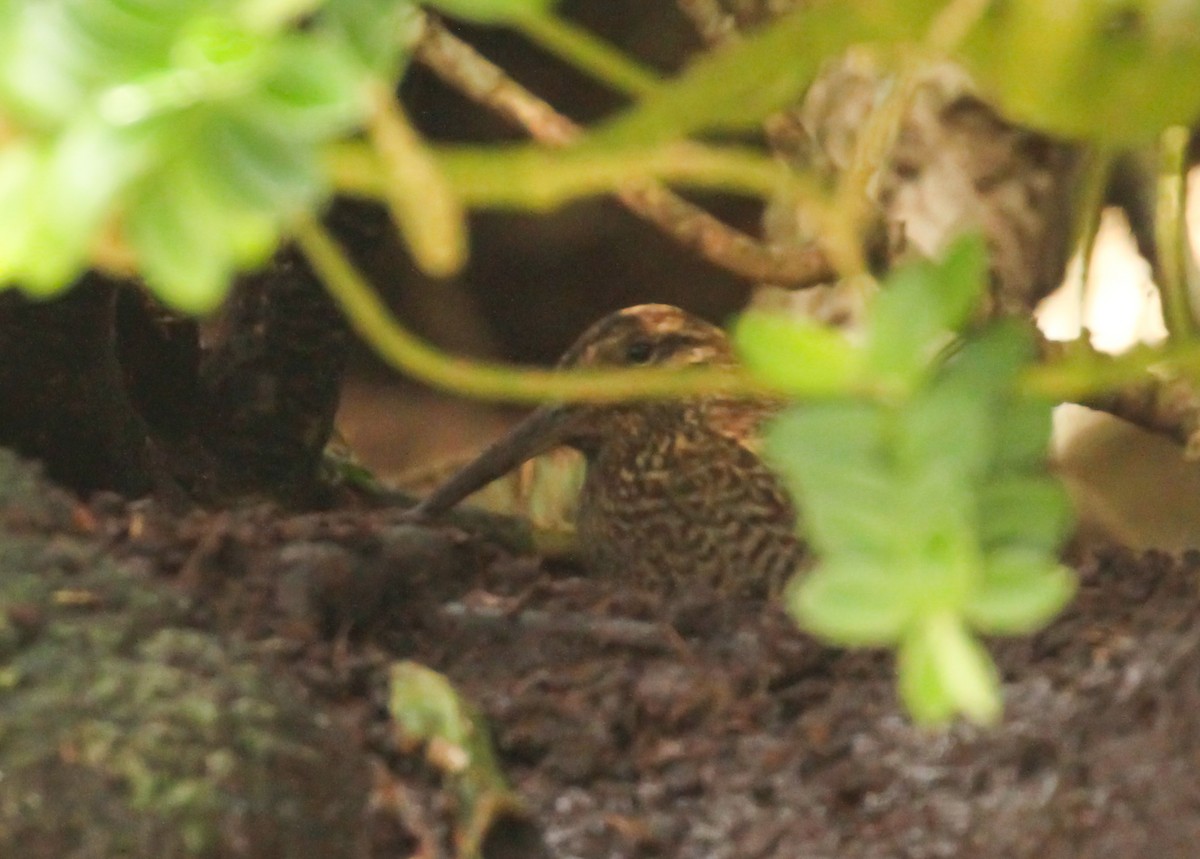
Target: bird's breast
<point>687,508</point>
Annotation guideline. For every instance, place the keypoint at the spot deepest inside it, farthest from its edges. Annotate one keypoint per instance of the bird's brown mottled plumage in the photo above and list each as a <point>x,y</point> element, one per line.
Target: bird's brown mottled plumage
<point>675,493</point>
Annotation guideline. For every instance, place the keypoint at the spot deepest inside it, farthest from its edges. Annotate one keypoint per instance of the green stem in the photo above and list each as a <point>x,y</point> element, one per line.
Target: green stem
<point>1085,373</point>
<point>583,50</point>
<point>408,353</point>
<point>421,201</point>
<point>529,177</point>
<point>1090,205</point>
<point>1171,234</point>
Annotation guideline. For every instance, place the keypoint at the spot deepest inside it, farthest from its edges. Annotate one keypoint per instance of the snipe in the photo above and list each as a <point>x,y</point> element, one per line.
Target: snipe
<point>676,494</point>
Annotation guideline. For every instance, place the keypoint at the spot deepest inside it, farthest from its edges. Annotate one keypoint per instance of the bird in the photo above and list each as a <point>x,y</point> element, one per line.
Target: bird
<point>676,494</point>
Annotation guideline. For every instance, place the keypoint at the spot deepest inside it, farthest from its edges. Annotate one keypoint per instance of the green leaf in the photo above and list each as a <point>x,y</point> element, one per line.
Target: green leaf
<point>960,279</point>
<point>426,708</point>
<point>315,89</point>
<point>919,307</point>
<point>196,126</point>
<point>798,355</point>
<point>946,428</point>
<point>1022,428</point>
<point>22,166</point>
<point>187,240</point>
<point>1085,70</point>
<point>831,455</point>
<point>493,11</point>
<point>1032,511</point>
<point>990,361</point>
<point>41,71</point>
<point>86,170</point>
<point>763,72</point>
<point>849,602</point>
<point>943,671</point>
<point>379,33</point>
<point>249,164</point>
<point>1021,591</point>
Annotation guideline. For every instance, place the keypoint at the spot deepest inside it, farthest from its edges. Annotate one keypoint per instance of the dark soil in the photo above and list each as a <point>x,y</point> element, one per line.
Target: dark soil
<point>636,725</point>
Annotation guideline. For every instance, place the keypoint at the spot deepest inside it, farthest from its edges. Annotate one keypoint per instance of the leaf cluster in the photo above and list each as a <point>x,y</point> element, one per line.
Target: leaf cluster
<point>187,132</point>
<point>927,502</point>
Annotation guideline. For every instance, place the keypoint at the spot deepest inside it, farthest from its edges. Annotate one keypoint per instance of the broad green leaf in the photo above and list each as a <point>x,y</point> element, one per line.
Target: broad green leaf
<point>849,602</point>
<point>943,670</point>
<point>1021,590</point>
<point>924,694</point>
<point>946,428</point>
<point>798,355</point>
<point>1022,429</point>
<point>86,170</point>
<point>379,33</point>
<point>42,75</point>
<point>196,131</point>
<point>761,73</point>
<point>314,91</point>
<point>22,167</point>
<point>961,278</point>
<point>991,359</point>
<point>831,455</point>
<point>492,11</point>
<point>1032,511</point>
<point>249,164</point>
<point>920,305</point>
<point>181,235</point>
<point>1117,73</point>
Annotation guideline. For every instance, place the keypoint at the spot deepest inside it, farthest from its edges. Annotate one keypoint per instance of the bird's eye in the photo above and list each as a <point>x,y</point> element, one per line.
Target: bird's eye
<point>639,351</point>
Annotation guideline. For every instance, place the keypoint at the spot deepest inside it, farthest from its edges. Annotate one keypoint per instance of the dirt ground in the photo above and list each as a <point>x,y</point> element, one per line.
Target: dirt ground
<point>635,725</point>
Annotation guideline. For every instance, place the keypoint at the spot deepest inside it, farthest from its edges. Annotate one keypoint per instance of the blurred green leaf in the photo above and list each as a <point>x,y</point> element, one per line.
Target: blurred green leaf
<point>919,308</point>
<point>945,427</point>
<point>1022,426</point>
<point>1116,73</point>
<point>1020,591</point>
<point>249,164</point>
<point>943,670</point>
<point>799,356</point>
<point>831,455</point>
<point>196,126</point>
<point>188,241</point>
<point>927,505</point>
<point>427,709</point>
<point>852,603</point>
<point>765,71</point>
<point>1023,509</point>
<point>314,91</point>
<point>492,11</point>
<point>379,33</point>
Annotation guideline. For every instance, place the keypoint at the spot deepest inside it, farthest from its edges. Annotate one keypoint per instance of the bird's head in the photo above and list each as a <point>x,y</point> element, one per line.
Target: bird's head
<point>645,335</point>
<point>649,335</point>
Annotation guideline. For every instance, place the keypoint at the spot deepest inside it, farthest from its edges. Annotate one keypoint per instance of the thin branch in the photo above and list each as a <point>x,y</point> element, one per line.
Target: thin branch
<point>409,354</point>
<point>1171,234</point>
<point>579,47</point>
<point>1164,405</point>
<point>1098,165</point>
<point>1145,386</point>
<point>421,203</point>
<point>462,67</point>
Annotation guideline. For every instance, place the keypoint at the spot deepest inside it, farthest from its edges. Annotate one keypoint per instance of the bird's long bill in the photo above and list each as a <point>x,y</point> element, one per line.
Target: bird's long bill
<point>541,431</point>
